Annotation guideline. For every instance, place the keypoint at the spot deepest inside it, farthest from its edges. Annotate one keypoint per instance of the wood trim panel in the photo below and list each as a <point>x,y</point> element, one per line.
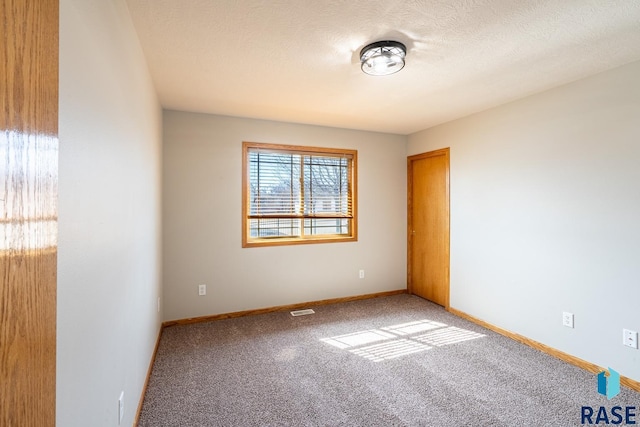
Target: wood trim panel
<point>281,308</point>
<point>298,148</point>
<point>565,357</point>
<point>305,241</point>
<point>136,420</point>
<point>28,193</point>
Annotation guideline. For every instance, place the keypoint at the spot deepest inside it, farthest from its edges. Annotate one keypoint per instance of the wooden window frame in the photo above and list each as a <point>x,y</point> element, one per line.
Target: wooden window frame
<point>249,242</point>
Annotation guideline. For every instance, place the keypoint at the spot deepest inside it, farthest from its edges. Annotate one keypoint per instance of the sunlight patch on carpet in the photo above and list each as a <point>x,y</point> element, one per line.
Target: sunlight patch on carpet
<point>390,350</point>
<point>358,338</point>
<point>413,327</point>
<point>400,340</point>
<point>447,336</point>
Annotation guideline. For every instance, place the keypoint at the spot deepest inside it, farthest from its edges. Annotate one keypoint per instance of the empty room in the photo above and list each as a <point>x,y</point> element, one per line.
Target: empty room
<point>296,213</point>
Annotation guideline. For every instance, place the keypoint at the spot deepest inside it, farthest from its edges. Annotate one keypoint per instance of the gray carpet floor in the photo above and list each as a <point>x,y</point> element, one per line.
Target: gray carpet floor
<point>393,361</point>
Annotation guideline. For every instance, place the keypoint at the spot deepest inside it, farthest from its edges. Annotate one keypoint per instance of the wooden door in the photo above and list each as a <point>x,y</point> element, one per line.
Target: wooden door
<point>28,211</point>
<point>428,226</point>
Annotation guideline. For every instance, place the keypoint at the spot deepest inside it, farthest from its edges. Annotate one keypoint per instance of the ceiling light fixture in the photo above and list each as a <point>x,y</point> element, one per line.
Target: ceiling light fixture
<point>383,58</point>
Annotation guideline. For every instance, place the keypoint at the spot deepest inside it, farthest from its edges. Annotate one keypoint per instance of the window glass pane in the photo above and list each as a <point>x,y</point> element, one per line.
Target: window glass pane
<point>277,227</point>
<point>320,226</point>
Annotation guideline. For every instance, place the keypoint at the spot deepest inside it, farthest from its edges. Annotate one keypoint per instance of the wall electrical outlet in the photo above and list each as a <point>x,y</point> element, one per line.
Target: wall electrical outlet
<point>202,290</point>
<point>630,338</point>
<point>361,274</point>
<point>567,319</point>
<point>121,407</point>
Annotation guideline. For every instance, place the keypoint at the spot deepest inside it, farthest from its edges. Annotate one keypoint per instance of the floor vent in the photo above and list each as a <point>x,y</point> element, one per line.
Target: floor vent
<point>302,312</point>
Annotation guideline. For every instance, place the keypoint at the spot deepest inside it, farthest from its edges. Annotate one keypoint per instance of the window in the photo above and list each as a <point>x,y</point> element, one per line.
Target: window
<point>293,195</point>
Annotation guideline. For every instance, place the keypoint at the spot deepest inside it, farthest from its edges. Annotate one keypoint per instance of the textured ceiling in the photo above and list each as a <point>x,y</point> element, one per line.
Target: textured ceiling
<point>297,60</point>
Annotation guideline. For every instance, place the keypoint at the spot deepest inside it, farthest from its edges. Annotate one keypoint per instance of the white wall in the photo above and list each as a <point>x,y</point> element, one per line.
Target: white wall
<point>109,215</point>
<point>545,215</point>
<point>202,163</point>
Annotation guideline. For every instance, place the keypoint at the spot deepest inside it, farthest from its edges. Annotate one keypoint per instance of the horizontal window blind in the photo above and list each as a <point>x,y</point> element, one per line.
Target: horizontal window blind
<point>274,182</point>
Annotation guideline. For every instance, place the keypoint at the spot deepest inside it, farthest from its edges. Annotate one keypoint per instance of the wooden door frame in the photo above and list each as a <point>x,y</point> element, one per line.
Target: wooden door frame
<point>410,159</point>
